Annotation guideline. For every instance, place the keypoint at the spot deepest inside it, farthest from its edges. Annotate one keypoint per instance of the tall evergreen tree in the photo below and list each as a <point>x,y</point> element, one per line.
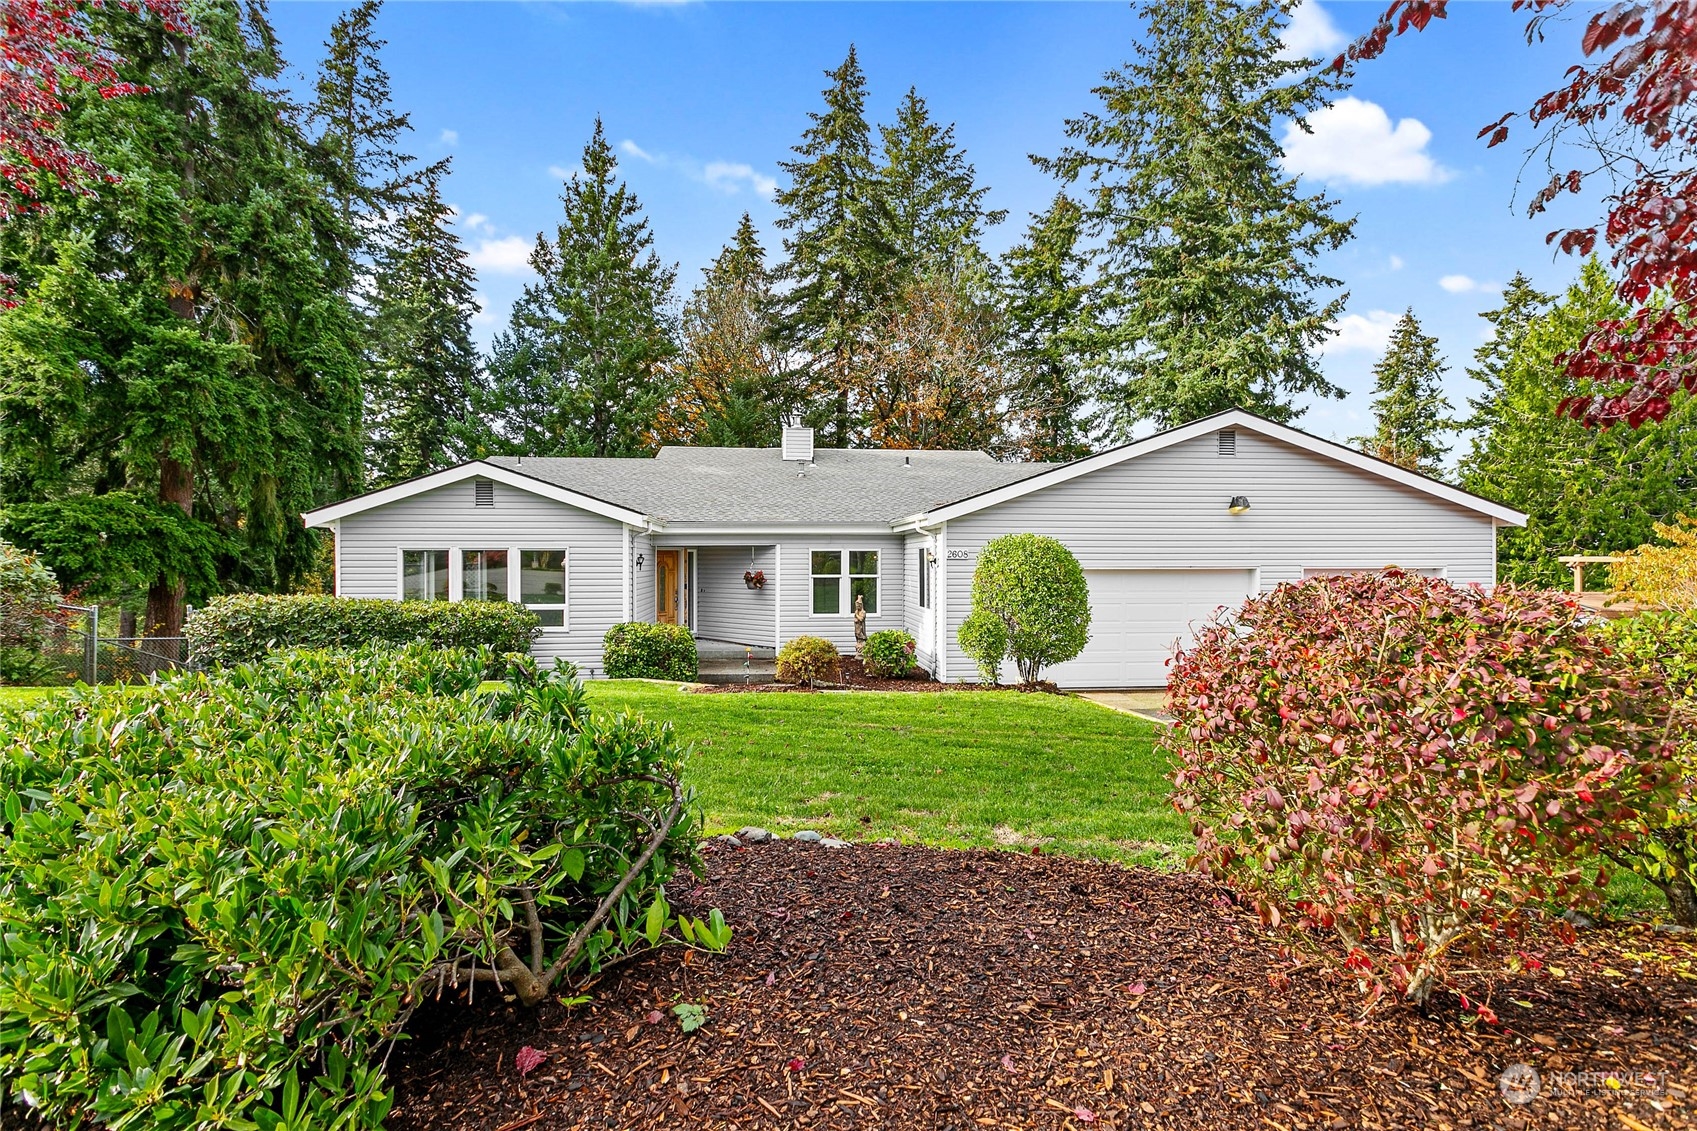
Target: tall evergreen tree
<point>182,331</point>
<point>1410,411</point>
<point>838,253</point>
<point>733,386</point>
<point>359,129</point>
<point>1048,330</point>
<point>1586,491</point>
<point>1208,291</point>
<point>424,366</point>
<point>581,369</point>
<point>1522,303</point>
<point>934,203</point>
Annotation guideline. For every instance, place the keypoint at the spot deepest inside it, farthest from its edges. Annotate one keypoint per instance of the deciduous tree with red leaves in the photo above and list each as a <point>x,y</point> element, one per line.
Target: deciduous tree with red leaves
<point>1633,99</point>
<point>48,46</point>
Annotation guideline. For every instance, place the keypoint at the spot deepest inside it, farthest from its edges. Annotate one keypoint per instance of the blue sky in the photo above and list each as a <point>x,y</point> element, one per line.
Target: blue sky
<point>705,99</point>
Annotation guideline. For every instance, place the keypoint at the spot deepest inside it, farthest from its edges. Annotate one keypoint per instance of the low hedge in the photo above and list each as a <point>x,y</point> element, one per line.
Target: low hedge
<point>224,895</point>
<point>241,629</point>
<point>810,660</point>
<point>637,650</point>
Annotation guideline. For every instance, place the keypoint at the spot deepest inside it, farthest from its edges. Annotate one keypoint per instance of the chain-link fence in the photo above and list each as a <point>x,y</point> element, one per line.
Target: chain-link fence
<point>73,650</point>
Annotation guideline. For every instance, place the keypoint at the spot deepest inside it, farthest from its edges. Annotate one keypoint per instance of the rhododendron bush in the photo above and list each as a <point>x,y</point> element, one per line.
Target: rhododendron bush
<point>1404,770</point>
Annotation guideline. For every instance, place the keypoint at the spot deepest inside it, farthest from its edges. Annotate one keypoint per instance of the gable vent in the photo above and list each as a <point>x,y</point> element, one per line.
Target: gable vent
<point>484,491</point>
<point>1228,442</point>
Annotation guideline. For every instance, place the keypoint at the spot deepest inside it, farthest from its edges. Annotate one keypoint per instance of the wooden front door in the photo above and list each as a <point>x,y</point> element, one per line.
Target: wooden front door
<point>666,586</point>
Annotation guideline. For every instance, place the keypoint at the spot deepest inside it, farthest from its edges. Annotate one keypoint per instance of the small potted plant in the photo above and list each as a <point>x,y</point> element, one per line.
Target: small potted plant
<point>754,578</point>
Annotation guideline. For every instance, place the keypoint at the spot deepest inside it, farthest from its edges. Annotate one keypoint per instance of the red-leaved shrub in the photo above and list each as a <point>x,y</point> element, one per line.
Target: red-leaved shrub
<point>1403,769</point>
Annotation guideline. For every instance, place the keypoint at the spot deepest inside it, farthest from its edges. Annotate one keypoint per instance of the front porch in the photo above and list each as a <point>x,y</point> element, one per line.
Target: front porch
<point>725,662</point>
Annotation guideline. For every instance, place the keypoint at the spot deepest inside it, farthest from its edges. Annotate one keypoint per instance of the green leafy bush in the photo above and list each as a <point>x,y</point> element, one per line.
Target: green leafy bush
<point>25,667</point>
<point>810,660</point>
<point>1036,588</point>
<point>890,654</point>
<point>223,896</point>
<point>29,596</point>
<point>1664,645</point>
<point>984,637</point>
<point>1405,769</point>
<point>636,650</point>
<point>108,547</point>
<point>242,629</point>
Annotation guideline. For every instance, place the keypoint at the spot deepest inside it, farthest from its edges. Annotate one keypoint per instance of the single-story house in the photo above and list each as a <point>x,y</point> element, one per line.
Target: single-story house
<point>758,546</point>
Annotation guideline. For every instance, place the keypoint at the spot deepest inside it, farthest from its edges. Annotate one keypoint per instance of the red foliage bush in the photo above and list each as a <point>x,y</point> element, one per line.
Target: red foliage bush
<point>1403,769</point>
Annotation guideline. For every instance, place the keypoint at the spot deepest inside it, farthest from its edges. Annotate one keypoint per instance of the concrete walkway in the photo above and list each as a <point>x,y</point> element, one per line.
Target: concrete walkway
<point>725,662</point>
<point>1144,704</point>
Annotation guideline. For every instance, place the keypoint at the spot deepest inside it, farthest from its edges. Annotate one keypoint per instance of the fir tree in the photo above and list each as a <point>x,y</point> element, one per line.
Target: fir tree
<point>1410,411</point>
<point>581,368</point>
<point>935,206</point>
<point>1585,491</point>
<point>359,128</point>
<point>424,366</point>
<point>1048,294</point>
<point>1509,323</point>
<point>838,254</point>
<point>1207,295</point>
<point>733,388</point>
<point>182,331</point>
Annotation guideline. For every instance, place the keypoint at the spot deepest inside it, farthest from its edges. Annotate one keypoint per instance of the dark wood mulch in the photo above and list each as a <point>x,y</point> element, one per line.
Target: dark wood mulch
<point>921,988</point>
<point>856,679</point>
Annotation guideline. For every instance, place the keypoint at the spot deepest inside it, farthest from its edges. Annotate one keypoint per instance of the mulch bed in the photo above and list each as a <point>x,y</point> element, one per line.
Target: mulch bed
<point>899,987</point>
<point>856,679</point>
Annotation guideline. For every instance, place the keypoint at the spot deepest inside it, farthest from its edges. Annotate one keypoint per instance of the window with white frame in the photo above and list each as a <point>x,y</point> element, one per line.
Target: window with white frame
<point>542,585</point>
<point>424,575</point>
<point>839,576</point>
<point>483,575</point>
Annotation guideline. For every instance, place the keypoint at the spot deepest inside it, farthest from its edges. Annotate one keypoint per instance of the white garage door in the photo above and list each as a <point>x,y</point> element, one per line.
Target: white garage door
<point>1137,615</point>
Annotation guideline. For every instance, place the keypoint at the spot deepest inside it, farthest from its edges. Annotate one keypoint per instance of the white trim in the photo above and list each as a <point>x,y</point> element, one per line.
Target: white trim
<point>336,559</point>
<point>845,578</point>
<point>941,642</point>
<point>777,597</point>
<point>401,553</point>
<point>476,469</point>
<point>759,533</point>
<point>1235,418</point>
<point>628,594</point>
<point>515,579</point>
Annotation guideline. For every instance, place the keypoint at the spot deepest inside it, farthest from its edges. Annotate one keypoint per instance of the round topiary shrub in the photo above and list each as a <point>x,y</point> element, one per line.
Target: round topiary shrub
<point>1664,646</point>
<point>1404,769</point>
<point>890,654</point>
<point>1036,589</point>
<point>638,650</point>
<point>810,660</point>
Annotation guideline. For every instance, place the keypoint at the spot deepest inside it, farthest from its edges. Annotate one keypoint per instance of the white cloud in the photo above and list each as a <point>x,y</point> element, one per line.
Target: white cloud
<point>482,315</point>
<point>450,137</point>
<point>1396,263</point>
<point>509,256</point>
<point>729,176</point>
<point>478,222</point>
<point>631,149</point>
<point>1310,33</point>
<point>1370,331</point>
<point>1465,284</point>
<point>562,173</point>
<point>1354,142</point>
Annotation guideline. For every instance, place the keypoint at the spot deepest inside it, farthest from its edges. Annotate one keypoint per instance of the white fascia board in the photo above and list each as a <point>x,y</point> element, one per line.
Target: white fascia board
<point>476,469</point>
<point>1236,418</point>
<point>679,533</point>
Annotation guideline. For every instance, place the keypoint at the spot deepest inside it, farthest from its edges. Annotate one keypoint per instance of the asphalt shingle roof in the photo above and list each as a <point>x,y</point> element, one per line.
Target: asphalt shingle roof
<point>756,485</point>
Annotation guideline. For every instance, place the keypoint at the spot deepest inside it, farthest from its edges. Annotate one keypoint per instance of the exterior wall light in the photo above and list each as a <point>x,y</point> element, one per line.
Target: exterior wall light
<point>1238,505</point>
<point>639,563</point>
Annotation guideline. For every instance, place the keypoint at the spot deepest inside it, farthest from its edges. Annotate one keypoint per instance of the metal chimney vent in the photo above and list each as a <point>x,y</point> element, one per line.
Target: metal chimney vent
<point>798,441</point>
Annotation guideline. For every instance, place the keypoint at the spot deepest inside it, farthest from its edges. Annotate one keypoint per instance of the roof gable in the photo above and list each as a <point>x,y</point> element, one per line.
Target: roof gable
<point>1235,418</point>
<point>476,469</point>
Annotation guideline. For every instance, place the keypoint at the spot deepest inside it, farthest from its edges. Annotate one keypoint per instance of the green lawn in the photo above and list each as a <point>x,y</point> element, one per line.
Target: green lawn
<point>954,768</point>
<point>24,696</point>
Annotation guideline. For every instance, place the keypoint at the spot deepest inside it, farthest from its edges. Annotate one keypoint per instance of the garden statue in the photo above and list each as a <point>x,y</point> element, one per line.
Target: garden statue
<point>859,624</point>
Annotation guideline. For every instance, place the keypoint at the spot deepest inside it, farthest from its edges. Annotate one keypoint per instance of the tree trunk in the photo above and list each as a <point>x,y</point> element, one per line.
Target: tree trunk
<point>1682,899</point>
<point>165,597</point>
<point>127,623</point>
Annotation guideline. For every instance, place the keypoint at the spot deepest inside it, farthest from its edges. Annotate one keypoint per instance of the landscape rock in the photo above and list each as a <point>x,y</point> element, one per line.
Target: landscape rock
<point>754,834</point>
<point>729,840</point>
<point>808,835</point>
<point>833,842</point>
<point>1579,922</point>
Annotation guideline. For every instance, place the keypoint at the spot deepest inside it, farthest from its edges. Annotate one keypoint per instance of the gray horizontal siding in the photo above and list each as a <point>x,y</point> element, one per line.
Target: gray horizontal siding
<point>1167,510</point>
<point>369,546</point>
<point>795,588</point>
<point>642,578</point>
<point>725,607</point>
<point>918,622</point>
